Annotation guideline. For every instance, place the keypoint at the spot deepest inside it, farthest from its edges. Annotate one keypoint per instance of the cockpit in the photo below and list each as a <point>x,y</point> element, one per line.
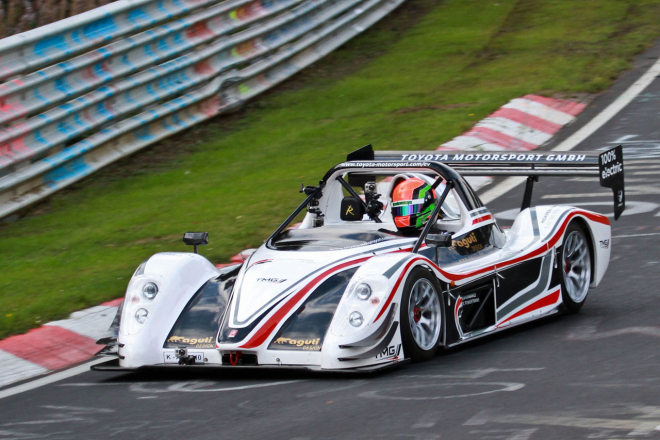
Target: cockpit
<point>353,208</point>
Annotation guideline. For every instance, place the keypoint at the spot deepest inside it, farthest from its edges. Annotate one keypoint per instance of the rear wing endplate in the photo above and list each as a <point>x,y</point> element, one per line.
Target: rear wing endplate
<point>607,165</point>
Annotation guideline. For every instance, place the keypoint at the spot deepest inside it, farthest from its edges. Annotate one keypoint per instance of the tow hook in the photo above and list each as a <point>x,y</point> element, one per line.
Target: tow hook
<point>234,357</point>
<point>184,357</point>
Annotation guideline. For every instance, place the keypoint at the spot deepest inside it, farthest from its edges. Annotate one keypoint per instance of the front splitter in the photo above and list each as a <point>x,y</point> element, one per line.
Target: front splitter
<point>113,365</point>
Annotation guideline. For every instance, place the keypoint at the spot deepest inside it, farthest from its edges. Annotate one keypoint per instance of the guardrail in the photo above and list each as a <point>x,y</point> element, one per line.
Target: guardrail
<point>169,64</point>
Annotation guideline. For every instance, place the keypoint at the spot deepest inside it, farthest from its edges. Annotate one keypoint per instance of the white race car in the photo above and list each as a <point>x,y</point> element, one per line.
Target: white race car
<point>345,291</point>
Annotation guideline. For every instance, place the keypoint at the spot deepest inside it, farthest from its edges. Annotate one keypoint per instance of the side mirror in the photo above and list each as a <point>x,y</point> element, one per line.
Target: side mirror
<point>352,209</point>
<point>439,240</point>
<point>196,239</point>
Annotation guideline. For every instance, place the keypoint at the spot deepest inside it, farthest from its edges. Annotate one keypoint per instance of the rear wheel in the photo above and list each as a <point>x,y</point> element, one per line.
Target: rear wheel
<point>575,268</point>
<point>421,315</point>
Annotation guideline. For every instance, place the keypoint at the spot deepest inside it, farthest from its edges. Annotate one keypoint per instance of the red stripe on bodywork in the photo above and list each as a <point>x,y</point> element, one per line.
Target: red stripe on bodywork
<point>459,301</point>
<point>482,219</point>
<point>396,287</point>
<point>543,302</point>
<point>260,336</point>
<point>457,277</point>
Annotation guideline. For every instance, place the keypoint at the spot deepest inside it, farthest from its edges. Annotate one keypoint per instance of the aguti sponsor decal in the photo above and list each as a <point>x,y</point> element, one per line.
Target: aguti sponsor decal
<point>305,344</point>
<point>196,342</point>
<point>466,242</point>
<point>470,242</point>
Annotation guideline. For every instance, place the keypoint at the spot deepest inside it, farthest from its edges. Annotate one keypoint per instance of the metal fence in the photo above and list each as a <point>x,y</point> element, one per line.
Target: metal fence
<point>84,92</point>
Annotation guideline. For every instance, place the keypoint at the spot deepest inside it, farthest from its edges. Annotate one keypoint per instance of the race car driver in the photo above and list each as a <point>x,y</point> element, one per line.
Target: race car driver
<point>413,201</point>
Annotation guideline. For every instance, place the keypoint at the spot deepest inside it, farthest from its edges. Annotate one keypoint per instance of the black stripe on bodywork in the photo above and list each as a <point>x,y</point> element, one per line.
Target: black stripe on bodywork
<point>241,332</point>
<point>535,222</point>
<point>377,349</point>
<point>392,270</point>
<point>479,212</point>
<point>559,222</point>
<point>515,279</point>
<point>540,287</point>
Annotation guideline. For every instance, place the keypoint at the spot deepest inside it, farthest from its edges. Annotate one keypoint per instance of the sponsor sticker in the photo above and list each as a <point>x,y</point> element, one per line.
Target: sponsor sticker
<point>194,342</point>
<point>605,244</point>
<point>470,242</point>
<point>551,214</point>
<point>366,243</point>
<point>384,165</point>
<point>610,166</point>
<point>271,280</point>
<point>470,299</point>
<point>305,344</point>
<point>391,352</point>
<point>490,157</point>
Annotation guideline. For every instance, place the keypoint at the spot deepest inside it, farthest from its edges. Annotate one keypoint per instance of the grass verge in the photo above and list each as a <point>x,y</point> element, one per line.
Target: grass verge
<point>398,86</point>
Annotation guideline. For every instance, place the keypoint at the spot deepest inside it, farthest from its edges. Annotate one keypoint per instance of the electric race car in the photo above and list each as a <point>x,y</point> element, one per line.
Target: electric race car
<point>345,291</point>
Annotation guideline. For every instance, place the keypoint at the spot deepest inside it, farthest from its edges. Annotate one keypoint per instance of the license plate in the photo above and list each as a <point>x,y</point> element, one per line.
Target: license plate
<point>170,357</point>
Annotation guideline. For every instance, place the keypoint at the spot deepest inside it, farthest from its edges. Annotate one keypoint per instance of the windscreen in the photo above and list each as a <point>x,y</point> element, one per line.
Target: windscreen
<point>327,239</point>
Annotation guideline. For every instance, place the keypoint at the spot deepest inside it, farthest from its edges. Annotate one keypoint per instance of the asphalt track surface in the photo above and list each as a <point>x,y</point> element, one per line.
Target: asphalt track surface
<point>591,375</point>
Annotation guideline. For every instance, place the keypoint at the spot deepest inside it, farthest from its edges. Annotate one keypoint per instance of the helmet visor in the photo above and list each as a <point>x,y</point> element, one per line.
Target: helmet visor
<point>407,207</point>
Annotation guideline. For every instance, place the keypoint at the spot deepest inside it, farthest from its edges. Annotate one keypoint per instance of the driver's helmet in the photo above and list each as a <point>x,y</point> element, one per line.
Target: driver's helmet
<point>413,201</point>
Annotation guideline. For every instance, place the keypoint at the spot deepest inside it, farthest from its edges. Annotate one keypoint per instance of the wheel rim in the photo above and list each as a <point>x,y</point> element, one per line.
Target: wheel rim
<point>424,314</point>
<point>577,266</point>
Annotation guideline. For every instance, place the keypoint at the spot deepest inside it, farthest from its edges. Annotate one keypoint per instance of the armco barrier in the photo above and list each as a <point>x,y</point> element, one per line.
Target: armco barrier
<point>58,125</point>
<point>60,40</point>
<point>156,82</point>
<point>86,72</point>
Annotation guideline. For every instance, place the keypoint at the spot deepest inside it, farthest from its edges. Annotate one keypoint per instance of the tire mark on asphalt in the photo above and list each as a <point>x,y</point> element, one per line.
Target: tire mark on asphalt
<point>590,333</point>
<point>427,421</point>
<point>470,374</point>
<point>355,384</point>
<point>635,427</point>
<point>507,434</point>
<point>501,387</point>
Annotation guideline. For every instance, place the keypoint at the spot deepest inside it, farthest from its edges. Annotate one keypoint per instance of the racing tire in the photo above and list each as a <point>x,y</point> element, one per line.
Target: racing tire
<point>422,315</point>
<point>575,268</point>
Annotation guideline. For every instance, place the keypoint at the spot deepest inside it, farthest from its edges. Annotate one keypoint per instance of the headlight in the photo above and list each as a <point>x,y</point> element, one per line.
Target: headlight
<point>360,304</point>
<point>150,290</point>
<point>356,319</point>
<point>140,303</point>
<point>141,315</point>
<point>363,291</point>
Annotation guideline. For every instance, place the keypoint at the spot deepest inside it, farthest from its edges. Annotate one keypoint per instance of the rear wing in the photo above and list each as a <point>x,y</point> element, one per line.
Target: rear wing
<point>608,166</point>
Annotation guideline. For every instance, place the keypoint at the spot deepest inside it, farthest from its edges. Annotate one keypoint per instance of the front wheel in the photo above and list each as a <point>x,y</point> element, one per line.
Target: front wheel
<point>576,268</point>
<point>421,315</point>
